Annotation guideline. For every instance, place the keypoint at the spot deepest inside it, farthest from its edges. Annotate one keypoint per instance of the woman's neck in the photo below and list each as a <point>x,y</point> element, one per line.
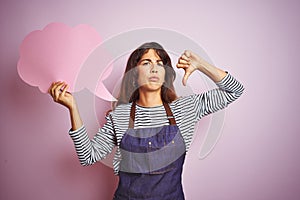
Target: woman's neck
<point>149,99</point>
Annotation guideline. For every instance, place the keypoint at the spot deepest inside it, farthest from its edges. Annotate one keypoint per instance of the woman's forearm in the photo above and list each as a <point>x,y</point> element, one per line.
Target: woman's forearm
<point>76,121</point>
<point>212,72</point>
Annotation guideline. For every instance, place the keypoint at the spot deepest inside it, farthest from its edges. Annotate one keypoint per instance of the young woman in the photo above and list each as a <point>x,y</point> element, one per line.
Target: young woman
<point>151,127</point>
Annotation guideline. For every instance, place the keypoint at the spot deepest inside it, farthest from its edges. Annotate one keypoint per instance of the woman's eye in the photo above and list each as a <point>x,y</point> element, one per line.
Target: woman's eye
<point>160,64</point>
<point>146,63</point>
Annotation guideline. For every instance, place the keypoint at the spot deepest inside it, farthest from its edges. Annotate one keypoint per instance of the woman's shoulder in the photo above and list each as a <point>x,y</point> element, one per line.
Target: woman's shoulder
<point>119,112</point>
<point>121,109</point>
<point>123,106</point>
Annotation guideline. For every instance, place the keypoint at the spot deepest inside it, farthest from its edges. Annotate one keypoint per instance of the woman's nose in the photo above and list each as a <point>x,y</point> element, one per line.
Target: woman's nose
<point>153,71</point>
<point>153,68</point>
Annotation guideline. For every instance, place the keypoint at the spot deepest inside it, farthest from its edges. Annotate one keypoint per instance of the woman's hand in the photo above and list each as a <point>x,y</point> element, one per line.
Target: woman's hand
<point>59,93</point>
<point>189,61</point>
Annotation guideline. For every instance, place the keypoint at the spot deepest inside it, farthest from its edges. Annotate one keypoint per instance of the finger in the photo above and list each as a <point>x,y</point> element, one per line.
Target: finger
<point>53,87</point>
<point>187,53</point>
<point>182,61</point>
<point>185,56</point>
<point>64,90</point>
<point>58,90</point>
<point>182,66</point>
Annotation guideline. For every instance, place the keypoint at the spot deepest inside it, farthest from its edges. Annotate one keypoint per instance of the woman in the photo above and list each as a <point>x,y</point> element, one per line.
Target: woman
<point>150,126</point>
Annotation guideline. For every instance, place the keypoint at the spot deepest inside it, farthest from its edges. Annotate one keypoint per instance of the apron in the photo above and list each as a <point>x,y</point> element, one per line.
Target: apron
<point>152,161</point>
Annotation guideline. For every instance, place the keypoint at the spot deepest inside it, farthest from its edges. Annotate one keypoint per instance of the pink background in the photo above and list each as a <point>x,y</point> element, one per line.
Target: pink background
<point>257,156</point>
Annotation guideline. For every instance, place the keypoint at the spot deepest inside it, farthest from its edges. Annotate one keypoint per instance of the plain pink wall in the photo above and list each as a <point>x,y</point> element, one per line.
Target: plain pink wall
<point>257,156</point>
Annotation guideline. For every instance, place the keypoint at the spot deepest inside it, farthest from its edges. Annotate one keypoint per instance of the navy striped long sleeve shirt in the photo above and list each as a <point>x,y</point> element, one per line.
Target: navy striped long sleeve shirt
<point>187,111</point>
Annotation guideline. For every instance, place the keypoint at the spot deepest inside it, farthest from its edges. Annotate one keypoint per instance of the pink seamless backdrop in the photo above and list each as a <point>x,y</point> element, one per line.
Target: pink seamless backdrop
<point>257,155</point>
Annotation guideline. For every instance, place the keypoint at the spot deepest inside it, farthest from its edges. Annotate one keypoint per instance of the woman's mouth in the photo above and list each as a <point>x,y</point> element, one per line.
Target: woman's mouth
<point>154,79</point>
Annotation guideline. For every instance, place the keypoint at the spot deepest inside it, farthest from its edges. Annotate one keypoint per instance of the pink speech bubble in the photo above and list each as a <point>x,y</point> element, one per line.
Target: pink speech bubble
<point>56,53</point>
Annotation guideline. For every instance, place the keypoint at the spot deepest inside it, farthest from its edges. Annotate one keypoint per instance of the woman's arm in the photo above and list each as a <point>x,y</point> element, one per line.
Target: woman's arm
<point>229,89</point>
<point>59,93</point>
<point>88,151</point>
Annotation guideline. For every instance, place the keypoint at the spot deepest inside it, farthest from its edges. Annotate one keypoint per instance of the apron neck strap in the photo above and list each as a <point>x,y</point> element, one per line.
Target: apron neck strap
<point>132,115</point>
<point>169,114</point>
<point>167,109</point>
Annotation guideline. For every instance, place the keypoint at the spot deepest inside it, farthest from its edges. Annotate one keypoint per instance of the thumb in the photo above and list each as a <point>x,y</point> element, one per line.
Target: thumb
<point>185,77</point>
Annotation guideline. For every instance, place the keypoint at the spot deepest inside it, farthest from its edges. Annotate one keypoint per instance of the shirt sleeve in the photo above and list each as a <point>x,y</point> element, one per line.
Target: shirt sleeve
<point>89,150</point>
<point>229,89</point>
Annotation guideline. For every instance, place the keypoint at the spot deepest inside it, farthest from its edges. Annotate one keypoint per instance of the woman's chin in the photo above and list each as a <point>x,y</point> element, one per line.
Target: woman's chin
<point>153,86</point>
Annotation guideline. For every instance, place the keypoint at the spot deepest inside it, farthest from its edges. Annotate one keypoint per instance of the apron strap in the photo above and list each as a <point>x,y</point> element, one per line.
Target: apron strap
<point>167,109</point>
<point>132,115</point>
<point>169,114</point>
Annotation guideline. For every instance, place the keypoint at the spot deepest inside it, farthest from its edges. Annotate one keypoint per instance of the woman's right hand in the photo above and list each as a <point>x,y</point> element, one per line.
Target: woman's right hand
<point>59,93</point>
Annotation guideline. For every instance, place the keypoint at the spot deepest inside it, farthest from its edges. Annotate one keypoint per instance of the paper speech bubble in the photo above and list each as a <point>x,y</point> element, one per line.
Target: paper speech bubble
<point>56,53</point>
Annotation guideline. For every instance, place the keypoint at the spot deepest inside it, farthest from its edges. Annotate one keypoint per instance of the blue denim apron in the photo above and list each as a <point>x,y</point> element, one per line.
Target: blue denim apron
<point>152,161</point>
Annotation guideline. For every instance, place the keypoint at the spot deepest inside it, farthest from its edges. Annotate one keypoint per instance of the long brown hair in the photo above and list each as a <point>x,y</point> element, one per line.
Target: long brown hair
<point>129,90</point>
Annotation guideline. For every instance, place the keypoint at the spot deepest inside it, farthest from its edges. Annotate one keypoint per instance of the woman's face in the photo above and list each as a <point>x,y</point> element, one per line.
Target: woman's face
<point>151,72</point>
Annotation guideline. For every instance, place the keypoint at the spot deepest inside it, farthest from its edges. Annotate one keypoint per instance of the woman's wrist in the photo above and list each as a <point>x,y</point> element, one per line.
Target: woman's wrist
<point>73,108</point>
<point>76,121</point>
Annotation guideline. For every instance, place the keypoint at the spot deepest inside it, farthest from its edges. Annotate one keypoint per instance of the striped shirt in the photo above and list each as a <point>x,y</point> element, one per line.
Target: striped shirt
<point>187,111</point>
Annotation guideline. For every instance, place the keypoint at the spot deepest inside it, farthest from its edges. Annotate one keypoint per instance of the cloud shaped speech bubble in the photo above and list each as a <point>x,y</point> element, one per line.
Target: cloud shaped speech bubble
<point>56,53</point>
